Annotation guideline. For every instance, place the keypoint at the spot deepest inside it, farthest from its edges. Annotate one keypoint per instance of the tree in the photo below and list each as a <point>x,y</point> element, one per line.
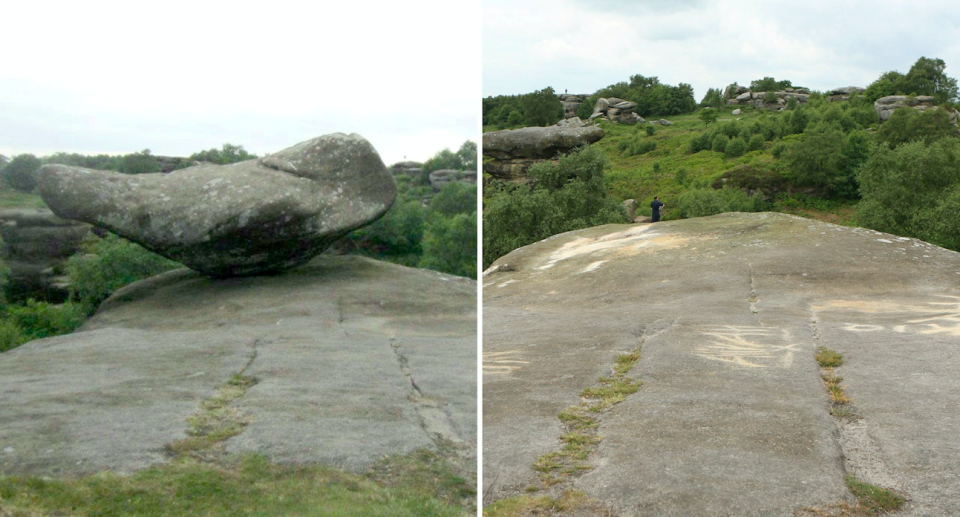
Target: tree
<point>542,108</point>
<point>228,153</point>
<point>455,198</point>
<point>139,163</point>
<point>21,172</point>
<point>708,116</point>
<point>567,195</point>
<point>816,159</point>
<point>769,84</point>
<point>450,245</point>
<point>908,124</point>
<point>927,77</point>
<point>713,98</point>
<point>468,155</point>
<point>913,190</point>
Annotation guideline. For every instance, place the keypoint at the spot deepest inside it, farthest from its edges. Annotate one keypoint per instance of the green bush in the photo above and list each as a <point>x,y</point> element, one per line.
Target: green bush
<point>21,172</point>
<point>455,198</point>
<point>908,125</point>
<point>756,142</point>
<point>719,143</point>
<point>913,190</point>
<point>649,129</point>
<point>567,196</point>
<point>38,320</point>
<point>704,202</point>
<point>735,147</point>
<point>11,335</point>
<point>640,146</point>
<point>397,235</point>
<point>450,245</point>
<point>109,264</point>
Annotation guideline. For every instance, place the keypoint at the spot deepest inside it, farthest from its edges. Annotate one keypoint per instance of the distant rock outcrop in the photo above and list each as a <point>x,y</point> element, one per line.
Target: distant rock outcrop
<point>353,359</point>
<point>885,106</point>
<point>36,246</point>
<point>515,150</point>
<point>616,110</point>
<point>571,103</point>
<point>257,216</point>
<point>441,177</point>
<point>742,97</point>
<point>844,93</point>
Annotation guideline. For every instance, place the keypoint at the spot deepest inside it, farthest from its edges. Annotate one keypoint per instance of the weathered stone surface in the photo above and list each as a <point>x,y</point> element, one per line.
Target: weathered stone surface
<point>665,122</point>
<point>538,142</point>
<point>847,90</point>
<point>735,112</point>
<point>630,205</point>
<point>744,97</point>
<point>601,106</point>
<point>36,246</point>
<point>571,122</point>
<point>246,218</point>
<point>354,359</point>
<point>732,417</point>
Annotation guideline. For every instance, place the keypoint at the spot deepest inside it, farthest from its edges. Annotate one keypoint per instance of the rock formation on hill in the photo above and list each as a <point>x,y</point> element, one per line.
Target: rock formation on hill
<point>732,416</point>
<point>742,96</point>
<point>350,359</point>
<point>36,246</point>
<point>257,216</point>
<point>885,106</point>
<point>441,177</point>
<point>616,110</point>
<point>844,93</point>
<point>571,103</point>
<point>515,150</point>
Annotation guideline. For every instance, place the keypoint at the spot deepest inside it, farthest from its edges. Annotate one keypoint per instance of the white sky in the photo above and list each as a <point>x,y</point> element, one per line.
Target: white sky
<point>179,77</point>
<point>585,45</point>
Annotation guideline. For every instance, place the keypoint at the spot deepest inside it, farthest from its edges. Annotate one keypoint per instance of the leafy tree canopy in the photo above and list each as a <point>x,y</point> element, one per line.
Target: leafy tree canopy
<point>21,172</point>
<point>228,153</point>
<point>926,77</point>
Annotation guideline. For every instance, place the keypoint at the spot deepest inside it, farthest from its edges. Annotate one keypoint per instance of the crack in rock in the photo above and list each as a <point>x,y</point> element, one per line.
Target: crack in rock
<point>434,421</point>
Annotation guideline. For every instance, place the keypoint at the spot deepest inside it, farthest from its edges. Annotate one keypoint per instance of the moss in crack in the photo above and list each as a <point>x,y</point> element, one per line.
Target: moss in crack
<point>581,422</point>
<point>217,421</point>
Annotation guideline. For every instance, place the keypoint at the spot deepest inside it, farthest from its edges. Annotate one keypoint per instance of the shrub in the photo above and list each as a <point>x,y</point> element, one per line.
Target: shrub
<point>109,264</point>
<point>735,147</point>
<point>41,319</point>
<point>756,142</point>
<point>650,129</point>
<point>704,202</point>
<point>640,146</point>
<point>719,143</point>
<point>455,198</point>
<point>450,245</point>
<point>11,335</point>
<point>778,149</point>
<point>770,97</point>
<point>21,172</point>
<point>681,176</point>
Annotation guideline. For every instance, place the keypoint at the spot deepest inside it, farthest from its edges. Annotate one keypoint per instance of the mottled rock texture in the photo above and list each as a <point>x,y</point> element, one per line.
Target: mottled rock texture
<point>246,218</point>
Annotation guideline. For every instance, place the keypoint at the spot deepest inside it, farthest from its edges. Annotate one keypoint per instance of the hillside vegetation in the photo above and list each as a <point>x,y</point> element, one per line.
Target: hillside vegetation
<point>833,161</point>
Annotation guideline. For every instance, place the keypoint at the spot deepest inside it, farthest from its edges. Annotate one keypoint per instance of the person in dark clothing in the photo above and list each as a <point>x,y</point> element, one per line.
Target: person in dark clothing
<point>655,208</point>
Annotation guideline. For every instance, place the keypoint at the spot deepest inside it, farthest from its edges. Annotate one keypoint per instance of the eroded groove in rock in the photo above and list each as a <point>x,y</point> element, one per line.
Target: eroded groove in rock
<point>218,418</point>
<point>436,423</point>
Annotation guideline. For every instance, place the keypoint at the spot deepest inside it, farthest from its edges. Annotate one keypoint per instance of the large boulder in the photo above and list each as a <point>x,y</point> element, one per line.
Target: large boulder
<point>538,142</point>
<point>36,246</point>
<point>352,359</point>
<point>256,216</point>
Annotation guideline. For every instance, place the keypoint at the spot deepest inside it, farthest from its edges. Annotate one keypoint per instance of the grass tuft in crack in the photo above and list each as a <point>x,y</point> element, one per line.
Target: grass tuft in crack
<point>827,358</point>
<point>581,422</point>
<point>571,502</point>
<point>216,422</point>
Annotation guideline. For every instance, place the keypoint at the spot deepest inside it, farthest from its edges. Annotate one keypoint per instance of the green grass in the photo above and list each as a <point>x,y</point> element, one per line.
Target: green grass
<point>571,501</point>
<point>250,485</point>
<point>828,358</point>
<point>10,198</point>
<point>873,498</point>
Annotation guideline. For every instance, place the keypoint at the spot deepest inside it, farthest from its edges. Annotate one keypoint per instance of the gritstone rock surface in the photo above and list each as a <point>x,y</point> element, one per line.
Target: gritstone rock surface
<point>336,347</point>
<point>257,216</point>
<point>732,417</point>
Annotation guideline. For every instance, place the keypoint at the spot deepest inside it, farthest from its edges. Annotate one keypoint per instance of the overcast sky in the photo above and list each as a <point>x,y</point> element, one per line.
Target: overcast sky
<point>179,77</point>
<point>584,45</point>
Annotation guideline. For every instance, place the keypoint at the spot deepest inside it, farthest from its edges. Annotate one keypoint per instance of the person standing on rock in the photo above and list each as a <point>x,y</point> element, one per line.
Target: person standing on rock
<point>655,208</point>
